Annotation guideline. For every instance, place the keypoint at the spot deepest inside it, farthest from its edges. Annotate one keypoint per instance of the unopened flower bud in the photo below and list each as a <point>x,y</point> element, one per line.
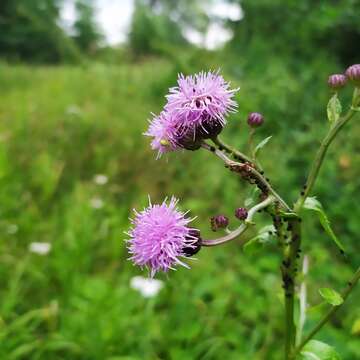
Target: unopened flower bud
<point>337,81</point>
<point>194,248</point>
<point>241,213</point>
<point>219,222</point>
<point>353,74</point>
<point>255,119</point>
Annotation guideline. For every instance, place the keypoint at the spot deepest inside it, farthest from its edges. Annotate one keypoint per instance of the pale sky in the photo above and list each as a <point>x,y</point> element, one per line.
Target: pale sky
<point>114,17</point>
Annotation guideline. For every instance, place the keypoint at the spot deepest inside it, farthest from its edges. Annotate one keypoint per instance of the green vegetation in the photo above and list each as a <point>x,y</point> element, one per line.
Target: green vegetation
<point>62,126</point>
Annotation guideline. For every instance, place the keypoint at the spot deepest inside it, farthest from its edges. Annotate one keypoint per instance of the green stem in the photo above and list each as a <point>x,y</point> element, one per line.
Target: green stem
<point>234,166</point>
<point>351,284</point>
<point>320,155</point>
<point>289,270</point>
<point>289,325</point>
<point>237,154</point>
<point>251,143</point>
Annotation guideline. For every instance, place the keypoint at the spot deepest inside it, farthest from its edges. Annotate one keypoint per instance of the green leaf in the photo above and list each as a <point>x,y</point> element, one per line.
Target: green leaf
<point>317,350</point>
<point>317,309</point>
<point>311,203</point>
<point>261,145</point>
<point>334,109</point>
<point>253,196</point>
<point>264,236</point>
<point>331,296</point>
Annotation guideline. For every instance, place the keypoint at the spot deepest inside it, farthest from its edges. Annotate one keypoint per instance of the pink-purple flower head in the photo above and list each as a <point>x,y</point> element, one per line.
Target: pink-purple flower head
<point>196,109</point>
<point>201,102</point>
<point>160,236</point>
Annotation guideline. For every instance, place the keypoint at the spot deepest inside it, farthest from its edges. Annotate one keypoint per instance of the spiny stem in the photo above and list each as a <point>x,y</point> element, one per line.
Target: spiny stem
<point>351,284</point>
<point>243,227</point>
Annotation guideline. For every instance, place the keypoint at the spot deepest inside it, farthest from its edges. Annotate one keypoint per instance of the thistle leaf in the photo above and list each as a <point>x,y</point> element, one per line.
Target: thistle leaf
<point>261,144</point>
<point>311,203</point>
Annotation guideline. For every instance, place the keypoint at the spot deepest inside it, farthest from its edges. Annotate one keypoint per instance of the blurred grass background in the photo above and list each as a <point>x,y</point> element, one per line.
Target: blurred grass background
<point>67,116</point>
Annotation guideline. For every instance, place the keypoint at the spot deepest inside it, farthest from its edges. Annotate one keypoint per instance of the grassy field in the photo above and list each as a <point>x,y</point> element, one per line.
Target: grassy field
<point>62,126</point>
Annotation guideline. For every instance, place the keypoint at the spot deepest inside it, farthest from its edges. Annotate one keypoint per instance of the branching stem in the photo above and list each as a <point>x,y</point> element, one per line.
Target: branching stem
<point>243,227</point>
<point>235,166</point>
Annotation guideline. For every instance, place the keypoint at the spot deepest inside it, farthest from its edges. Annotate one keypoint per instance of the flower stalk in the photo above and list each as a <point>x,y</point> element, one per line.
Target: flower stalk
<point>321,153</point>
<point>243,227</point>
<point>247,168</point>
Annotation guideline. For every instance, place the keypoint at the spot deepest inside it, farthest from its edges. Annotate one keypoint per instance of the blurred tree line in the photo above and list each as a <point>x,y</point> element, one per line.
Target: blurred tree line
<point>30,30</point>
<point>287,27</point>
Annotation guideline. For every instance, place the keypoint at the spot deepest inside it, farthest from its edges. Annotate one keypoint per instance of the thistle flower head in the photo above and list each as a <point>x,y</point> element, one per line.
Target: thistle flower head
<point>160,236</point>
<point>195,110</point>
<point>201,102</point>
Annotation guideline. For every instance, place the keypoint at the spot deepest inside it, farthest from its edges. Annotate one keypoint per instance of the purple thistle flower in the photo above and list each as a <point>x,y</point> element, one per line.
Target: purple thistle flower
<point>200,103</point>
<point>163,131</point>
<point>160,236</point>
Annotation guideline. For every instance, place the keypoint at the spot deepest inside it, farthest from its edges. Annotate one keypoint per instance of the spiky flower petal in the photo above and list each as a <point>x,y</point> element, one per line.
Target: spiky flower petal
<point>201,101</point>
<point>163,132</point>
<point>160,236</point>
<point>195,110</point>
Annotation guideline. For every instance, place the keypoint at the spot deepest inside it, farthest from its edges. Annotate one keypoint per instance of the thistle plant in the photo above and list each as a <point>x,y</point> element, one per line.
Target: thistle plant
<point>161,237</point>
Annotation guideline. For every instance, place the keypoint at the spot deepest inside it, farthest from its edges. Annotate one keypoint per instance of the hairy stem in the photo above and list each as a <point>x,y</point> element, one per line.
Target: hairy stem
<point>243,227</point>
<point>351,284</point>
<point>239,167</point>
<point>320,155</point>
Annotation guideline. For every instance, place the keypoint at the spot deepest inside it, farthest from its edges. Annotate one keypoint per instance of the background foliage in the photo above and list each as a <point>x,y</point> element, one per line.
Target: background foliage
<point>61,125</point>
